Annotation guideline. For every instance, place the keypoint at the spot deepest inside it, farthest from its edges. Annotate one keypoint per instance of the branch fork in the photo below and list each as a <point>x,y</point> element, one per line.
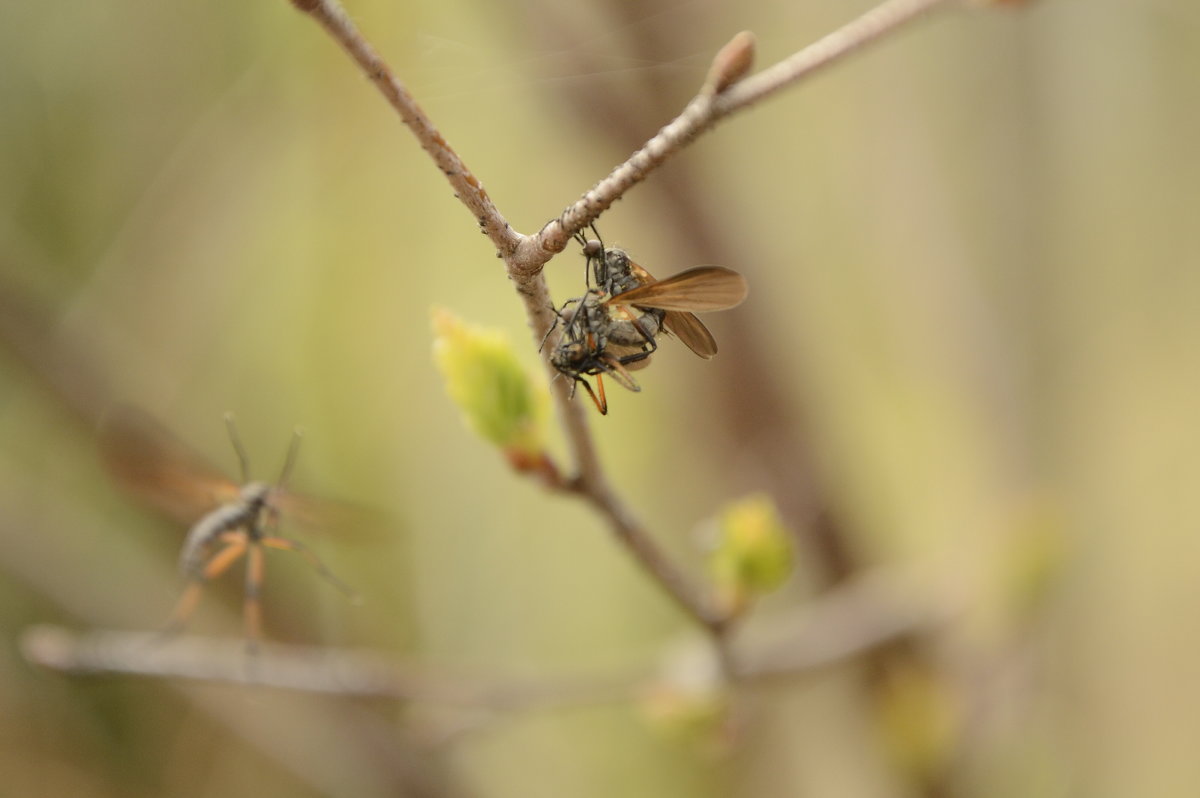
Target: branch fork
<point>726,90</point>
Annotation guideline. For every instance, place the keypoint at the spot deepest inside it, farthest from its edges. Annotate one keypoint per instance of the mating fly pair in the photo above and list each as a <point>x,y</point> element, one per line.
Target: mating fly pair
<point>227,521</point>
<point>614,327</point>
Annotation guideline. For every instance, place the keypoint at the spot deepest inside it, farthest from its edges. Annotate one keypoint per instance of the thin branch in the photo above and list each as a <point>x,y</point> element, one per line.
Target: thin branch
<point>592,484</point>
<point>879,21</point>
<point>630,532</point>
<point>723,93</point>
<point>708,107</point>
<point>838,627</point>
<point>862,614</point>
<point>333,18</point>
<point>524,266</point>
<point>309,669</point>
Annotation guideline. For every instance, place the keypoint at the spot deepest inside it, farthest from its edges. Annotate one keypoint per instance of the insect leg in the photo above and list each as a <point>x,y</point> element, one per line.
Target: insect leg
<point>596,233</point>
<point>641,328</point>
<point>287,544</point>
<point>600,402</point>
<point>557,318</point>
<point>634,357</point>
<point>252,602</point>
<point>589,254</point>
<point>216,566</point>
<point>560,315</point>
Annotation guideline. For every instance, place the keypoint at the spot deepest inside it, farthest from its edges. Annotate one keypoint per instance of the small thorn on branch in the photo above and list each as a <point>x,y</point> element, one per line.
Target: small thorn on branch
<point>731,63</point>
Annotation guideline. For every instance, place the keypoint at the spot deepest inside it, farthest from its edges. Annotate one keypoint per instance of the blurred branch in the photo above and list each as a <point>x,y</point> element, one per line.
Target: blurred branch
<point>311,669</point>
<point>861,615</point>
<point>846,623</point>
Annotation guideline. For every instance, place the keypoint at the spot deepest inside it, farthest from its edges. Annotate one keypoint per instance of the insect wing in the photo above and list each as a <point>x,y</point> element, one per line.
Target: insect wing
<point>343,519</point>
<point>642,276</point>
<point>689,329</point>
<point>698,289</point>
<point>614,369</point>
<point>619,351</point>
<point>159,469</point>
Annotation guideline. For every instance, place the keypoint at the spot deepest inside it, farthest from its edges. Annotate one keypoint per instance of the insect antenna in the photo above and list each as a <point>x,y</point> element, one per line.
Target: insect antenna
<point>235,439</point>
<point>290,461</point>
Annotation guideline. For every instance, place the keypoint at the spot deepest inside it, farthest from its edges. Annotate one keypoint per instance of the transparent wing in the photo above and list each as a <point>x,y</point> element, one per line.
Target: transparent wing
<point>342,519</point>
<point>158,468</point>
<point>689,329</point>
<point>619,351</point>
<point>698,289</point>
<point>620,374</point>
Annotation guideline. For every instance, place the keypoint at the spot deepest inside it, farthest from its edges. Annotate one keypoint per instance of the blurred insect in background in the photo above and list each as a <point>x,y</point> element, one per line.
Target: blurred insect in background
<point>227,521</point>
<point>613,328</point>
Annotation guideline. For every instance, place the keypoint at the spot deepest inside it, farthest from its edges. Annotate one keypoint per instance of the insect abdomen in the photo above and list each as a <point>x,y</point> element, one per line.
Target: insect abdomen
<point>208,529</point>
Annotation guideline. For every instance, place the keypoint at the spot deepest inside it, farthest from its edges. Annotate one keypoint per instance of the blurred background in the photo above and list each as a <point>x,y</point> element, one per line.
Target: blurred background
<point>969,349</point>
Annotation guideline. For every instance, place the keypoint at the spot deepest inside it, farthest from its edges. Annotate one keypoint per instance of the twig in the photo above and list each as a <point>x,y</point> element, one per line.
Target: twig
<point>723,93</point>
<point>844,624</point>
<point>862,614</point>
<point>524,263</point>
<point>467,187</point>
<point>310,669</point>
<point>591,483</point>
<point>883,19</point>
<point>703,112</point>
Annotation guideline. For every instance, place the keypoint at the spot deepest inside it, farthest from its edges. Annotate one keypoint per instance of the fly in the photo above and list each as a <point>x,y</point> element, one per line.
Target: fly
<point>228,521</point>
<point>613,328</point>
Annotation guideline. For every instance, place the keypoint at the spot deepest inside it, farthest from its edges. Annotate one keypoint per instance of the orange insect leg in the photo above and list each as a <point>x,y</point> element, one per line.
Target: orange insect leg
<point>287,544</point>
<point>216,566</point>
<point>253,599</point>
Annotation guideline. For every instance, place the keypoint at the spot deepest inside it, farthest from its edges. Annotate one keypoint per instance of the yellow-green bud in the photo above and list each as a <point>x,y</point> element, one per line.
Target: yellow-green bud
<point>494,392</point>
<point>753,552</point>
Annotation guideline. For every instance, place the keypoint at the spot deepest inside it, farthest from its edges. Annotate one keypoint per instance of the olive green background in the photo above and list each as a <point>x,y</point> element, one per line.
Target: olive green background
<point>974,314</point>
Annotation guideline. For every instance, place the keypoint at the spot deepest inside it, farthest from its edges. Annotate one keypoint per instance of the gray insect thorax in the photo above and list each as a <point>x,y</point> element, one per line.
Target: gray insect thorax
<point>245,512</point>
